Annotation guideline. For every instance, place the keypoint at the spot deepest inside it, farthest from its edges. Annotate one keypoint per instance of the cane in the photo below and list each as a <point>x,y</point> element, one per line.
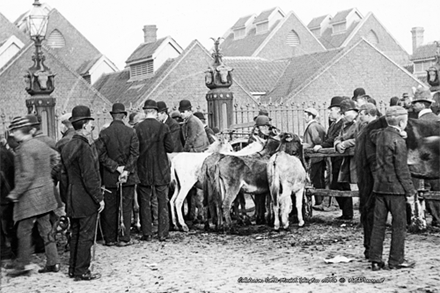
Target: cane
<point>121,212</point>
<point>94,243</point>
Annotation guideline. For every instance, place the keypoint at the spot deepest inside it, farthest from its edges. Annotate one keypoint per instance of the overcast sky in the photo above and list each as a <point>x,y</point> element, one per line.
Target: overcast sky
<point>115,27</point>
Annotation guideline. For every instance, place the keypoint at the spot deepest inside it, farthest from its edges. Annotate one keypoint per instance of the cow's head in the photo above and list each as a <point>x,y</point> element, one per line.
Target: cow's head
<point>223,72</point>
<point>291,144</point>
<point>423,144</point>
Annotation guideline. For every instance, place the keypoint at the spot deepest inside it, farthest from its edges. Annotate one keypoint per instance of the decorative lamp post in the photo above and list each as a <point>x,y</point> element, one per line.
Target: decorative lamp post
<point>218,79</point>
<point>39,79</point>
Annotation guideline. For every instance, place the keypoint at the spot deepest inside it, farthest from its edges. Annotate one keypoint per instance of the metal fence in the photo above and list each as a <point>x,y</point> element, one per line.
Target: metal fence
<point>287,117</point>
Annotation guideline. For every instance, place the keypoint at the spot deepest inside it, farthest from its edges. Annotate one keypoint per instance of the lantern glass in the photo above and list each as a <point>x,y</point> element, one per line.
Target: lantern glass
<point>37,21</point>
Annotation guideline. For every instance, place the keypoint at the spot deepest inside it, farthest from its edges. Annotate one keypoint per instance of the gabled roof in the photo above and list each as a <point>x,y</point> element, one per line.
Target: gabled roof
<point>299,70</point>
<point>256,74</point>
<point>331,41</point>
<point>316,22</point>
<point>8,29</point>
<point>341,16</point>
<point>145,50</point>
<point>245,46</point>
<point>423,52</point>
<point>117,88</point>
<point>241,23</point>
<point>85,67</point>
<point>264,16</point>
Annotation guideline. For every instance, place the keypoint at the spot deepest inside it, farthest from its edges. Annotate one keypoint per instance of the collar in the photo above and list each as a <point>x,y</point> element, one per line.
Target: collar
<point>339,119</point>
<point>81,137</point>
<point>424,111</point>
<point>310,122</point>
<point>118,121</point>
<point>395,128</point>
<point>166,118</point>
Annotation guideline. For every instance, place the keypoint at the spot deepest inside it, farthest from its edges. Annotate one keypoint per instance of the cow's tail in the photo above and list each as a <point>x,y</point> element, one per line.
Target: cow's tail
<point>274,180</point>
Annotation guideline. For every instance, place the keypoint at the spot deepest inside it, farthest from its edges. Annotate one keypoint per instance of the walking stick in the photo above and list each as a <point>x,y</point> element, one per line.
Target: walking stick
<point>94,244</point>
<point>121,213</point>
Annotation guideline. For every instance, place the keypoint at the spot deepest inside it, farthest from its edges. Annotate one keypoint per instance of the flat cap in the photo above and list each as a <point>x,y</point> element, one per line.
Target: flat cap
<point>396,111</point>
<point>312,111</point>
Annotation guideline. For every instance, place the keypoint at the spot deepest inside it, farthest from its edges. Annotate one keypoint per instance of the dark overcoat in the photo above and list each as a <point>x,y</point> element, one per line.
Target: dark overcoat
<point>347,138</point>
<point>81,163</point>
<point>332,133</point>
<point>176,134</point>
<point>119,147</point>
<point>194,135</point>
<point>154,144</point>
<point>33,183</point>
<point>393,176</point>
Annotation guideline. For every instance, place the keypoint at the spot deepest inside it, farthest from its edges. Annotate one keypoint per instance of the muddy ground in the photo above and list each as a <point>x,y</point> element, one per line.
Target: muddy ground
<point>256,259</point>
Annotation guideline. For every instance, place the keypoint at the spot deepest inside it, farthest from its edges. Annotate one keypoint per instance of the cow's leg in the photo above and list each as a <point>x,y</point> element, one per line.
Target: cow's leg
<point>184,189</point>
<point>275,211</point>
<point>286,204</point>
<point>299,201</point>
<point>199,205</point>
<point>173,207</point>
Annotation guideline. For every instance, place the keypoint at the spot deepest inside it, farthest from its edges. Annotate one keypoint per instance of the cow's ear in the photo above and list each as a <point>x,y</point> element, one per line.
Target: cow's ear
<point>288,137</point>
<point>275,131</point>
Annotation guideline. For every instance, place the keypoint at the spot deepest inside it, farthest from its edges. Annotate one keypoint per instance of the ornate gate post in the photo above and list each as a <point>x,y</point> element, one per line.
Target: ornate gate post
<point>218,79</point>
<point>39,78</point>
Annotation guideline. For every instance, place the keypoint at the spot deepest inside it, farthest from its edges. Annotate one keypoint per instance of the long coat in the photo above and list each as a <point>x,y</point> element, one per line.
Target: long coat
<point>313,135</point>
<point>119,147</point>
<point>33,183</point>
<point>194,135</point>
<point>393,176</point>
<point>176,134</point>
<point>81,163</point>
<point>154,144</point>
<point>347,138</point>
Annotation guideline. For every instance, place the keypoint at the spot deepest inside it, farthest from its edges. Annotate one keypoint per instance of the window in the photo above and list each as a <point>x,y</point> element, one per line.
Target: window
<point>420,67</point>
<point>372,38</point>
<point>293,39</point>
<point>56,40</point>
<point>339,28</point>
<point>262,27</point>
<point>140,69</point>
<point>240,34</point>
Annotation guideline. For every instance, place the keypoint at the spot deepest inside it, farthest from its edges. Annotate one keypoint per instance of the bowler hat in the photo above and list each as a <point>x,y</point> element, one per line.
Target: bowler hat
<point>199,115</point>
<point>184,105</point>
<point>150,104</point>
<point>336,101</point>
<point>80,113</point>
<point>347,105</point>
<point>358,92</point>
<point>161,107</point>
<point>19,122</point>
<point>312,111</point>
<point>118,108</point>
<point>396,111</point>
<point>422,95</point>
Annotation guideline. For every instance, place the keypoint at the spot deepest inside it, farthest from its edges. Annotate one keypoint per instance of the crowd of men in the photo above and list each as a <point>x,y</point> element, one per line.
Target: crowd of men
<point>132,159</point>
<point>390,188</point>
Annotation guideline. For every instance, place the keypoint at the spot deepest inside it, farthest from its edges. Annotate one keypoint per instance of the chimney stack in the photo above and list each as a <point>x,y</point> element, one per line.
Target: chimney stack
<point>150,33</point>
<point>417,37</point>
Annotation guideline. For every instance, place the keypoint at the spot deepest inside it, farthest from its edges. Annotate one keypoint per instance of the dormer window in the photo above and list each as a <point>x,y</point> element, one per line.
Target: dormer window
<point>142,69</point>
<point>239,33</point>
<point>339,28</point>
<point>262,27</point>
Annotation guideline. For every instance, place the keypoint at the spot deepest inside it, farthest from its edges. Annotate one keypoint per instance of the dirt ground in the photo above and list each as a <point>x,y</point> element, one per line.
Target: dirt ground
<point>256,259</point>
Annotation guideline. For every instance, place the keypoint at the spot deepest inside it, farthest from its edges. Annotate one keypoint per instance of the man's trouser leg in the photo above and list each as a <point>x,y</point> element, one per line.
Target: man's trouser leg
<point>109,216</point>
<point>127,204</point>
<point>162,196</point>
<point>144,197</point>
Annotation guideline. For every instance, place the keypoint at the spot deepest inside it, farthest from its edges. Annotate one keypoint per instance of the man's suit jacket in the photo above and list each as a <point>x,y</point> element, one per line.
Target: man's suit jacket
<point>176,134</point>
<point>33,183</point>
<point>119,147</point>
<point>194,135</point>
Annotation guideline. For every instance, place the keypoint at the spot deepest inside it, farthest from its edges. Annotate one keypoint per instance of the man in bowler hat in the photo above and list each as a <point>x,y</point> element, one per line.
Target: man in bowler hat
<point>118,155</point>
<point>154,170</point>
<point>336,115</point>
<point>174,126</point>
<point>84,198</point>
<point>194,135</point>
